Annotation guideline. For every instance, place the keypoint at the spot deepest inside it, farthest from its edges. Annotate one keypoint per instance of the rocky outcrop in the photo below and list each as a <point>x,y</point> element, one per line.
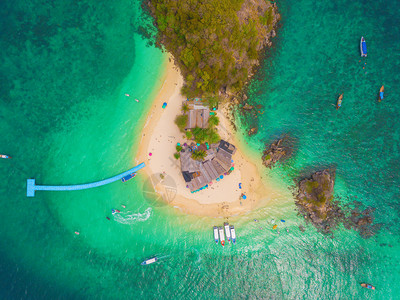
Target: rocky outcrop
<point>315,201</point>
<point>253,131</point>
<point>279,150</point>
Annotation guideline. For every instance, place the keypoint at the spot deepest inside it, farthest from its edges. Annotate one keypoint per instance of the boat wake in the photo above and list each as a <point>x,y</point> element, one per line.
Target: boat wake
<point>131,217</point>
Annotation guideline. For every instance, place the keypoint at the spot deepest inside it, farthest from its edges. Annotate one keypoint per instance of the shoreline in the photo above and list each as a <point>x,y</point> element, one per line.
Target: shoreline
<point>159,137</point>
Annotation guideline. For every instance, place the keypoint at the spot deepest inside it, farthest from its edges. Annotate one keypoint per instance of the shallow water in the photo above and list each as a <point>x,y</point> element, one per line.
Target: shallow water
<point>65,119</point>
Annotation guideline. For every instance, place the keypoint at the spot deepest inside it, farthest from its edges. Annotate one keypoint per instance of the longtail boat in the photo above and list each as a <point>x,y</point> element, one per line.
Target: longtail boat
<point>5,156</point>
<point>339,101</point>
<point>363,47</point>
<point>221,235</point>
<point>381,93</point>
<point>368,286</point>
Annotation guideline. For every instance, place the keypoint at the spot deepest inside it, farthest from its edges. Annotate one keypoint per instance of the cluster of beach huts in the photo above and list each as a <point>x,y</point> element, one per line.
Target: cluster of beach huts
<point>218,163</point>
<point>219,235</point>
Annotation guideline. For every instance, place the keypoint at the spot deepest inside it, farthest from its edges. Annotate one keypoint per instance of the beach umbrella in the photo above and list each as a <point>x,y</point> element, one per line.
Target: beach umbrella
<point>150,154</point>
<point>222,176</point>
<point>244,197</point>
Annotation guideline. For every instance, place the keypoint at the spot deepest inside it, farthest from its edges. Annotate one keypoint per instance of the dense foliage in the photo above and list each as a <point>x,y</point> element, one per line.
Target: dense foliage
<point>199,154</point>
<point>214,42</point>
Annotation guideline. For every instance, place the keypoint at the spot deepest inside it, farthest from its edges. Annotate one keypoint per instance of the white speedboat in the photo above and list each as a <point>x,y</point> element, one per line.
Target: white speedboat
<point>227,232</point>
<point>221,235</point>
<point>216,234</point>
<point>233,234</point>
<point>149,261</point>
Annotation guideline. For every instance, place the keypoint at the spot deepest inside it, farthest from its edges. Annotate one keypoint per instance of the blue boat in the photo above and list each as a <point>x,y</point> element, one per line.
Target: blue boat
<point>233,234</point>
<point>381,91</point>
<point>363,47</point>
<point>127,177</point>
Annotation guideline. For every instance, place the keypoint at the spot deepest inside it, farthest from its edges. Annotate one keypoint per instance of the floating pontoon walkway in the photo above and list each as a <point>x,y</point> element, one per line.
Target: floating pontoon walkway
<point>31,187</point>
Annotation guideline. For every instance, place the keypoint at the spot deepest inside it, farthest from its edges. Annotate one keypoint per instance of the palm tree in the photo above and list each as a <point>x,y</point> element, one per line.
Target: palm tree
<point>185,108</point>
<point>199,154</point>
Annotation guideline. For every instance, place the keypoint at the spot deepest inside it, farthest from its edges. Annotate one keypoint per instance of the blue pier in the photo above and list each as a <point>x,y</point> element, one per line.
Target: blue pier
<point>31,186</point>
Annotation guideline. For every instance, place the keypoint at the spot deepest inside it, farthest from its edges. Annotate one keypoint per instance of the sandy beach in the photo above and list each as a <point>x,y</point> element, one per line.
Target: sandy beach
<point>160,136</point>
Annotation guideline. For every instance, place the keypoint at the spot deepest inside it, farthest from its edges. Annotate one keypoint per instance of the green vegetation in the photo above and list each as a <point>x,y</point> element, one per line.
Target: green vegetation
<point>185,108</point>
<point>311,185</point>
<point>202,135</point>
<point>213,121</point>
<point>212,102</point>
<point>189,135</point>
<point>214,42</point>
<point>178,148</point>
<point>177,155</point>
<point>181,122</point>
<point>199,154</point>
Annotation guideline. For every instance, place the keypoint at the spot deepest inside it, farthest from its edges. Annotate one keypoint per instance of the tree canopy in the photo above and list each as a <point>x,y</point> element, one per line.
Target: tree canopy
<point>214,42</point>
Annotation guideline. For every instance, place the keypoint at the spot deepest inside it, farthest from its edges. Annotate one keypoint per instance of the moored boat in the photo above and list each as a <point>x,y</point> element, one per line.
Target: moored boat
<point>339,101</point>
<point>233,234</point>
<point>216,234</point>
<point>221,235</point>
<point>368,286</point>
<point>363,47</point>
<point>5,156</point>
<point>381,91</point>
<point>149,261</point>
<point>127,177</point>
<point>227,232</point>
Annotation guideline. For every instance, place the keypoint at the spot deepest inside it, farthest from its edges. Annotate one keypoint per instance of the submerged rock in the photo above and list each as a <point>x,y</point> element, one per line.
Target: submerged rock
<point>247,107</point>
<point>253,131</point>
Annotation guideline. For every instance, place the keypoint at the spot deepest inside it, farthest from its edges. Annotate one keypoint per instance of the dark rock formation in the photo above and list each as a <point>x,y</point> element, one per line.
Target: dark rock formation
<point>279,150</point>
<point>253,131</point>
<point>247,107</point>
<point>315,201</point>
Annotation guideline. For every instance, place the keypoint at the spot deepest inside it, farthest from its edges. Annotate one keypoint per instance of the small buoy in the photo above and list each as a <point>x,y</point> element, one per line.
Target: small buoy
<point>76,232</point>
<point>127,95</point>
<point>274,227</point>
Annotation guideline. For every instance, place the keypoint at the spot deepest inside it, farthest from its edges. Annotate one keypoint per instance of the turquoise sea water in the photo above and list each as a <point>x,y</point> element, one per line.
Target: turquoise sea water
<point>65,68</point>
